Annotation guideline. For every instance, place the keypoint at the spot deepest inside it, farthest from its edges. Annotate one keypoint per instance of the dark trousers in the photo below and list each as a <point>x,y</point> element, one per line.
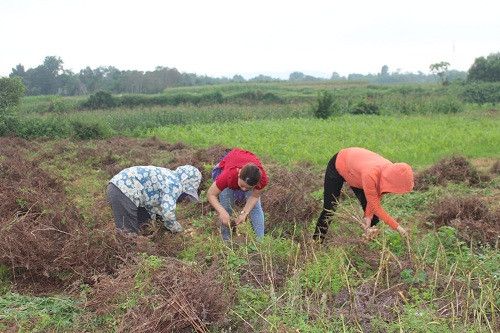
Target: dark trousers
<point>332,187</point>
<point>125,213</point>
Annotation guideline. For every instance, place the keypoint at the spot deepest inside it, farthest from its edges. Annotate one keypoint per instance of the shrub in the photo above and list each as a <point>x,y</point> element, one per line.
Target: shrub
<point>325,105</point>
<point>57,105</point>
<point>482,92</point>
<point>366,107</point>
<point>446,105</point>
<point>100,100</point>
<point>11,91</point>
<point>88,130</point>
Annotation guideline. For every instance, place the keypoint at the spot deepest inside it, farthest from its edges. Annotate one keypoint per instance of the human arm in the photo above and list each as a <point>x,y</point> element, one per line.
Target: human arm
<point>213,198</point>
<point>250,204</point>
<point>168,215</point>
<point>373,206</point>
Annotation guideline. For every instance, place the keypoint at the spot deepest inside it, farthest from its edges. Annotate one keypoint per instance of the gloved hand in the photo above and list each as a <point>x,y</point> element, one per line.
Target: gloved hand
<point>173,227</point>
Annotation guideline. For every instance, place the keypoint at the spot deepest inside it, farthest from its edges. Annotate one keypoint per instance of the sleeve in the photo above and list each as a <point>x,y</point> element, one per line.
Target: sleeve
<point>373,206</point>
<point>263,181</point>
<point>168,210</point>
<point>223,180</point>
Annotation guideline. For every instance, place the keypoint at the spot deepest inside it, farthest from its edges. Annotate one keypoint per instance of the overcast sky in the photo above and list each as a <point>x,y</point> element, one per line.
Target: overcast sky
<point>227,37</point>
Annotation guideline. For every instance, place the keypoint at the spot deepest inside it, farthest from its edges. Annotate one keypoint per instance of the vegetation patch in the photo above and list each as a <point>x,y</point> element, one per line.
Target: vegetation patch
<point>474,219</point>
<point>451,169</point>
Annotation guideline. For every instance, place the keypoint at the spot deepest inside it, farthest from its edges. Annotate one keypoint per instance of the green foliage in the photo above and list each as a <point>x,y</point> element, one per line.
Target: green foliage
<point>416,140</point>
<point>40,314</point>
<point>5,275</point>
<point>366,107</point>
<point>251,301</point>
<point>147,265</point>
<point>51,126</point>
<point>57,105</point>
<point>482,92</point>
<point>86,130</point>
<point>410,277</point>
<point>325,105</point>
<point>100,100</point>
<point>485,69</point>
<point>11,91</point>
<point>325,273</point>
<point>441,69</point>
<point>446,105</point>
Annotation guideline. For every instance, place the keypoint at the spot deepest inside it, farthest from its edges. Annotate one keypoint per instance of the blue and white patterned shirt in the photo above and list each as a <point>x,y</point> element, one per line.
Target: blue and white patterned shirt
<point>157,189</point>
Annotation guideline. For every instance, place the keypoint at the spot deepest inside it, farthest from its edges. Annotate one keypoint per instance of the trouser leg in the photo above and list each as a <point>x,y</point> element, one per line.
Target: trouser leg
<point>332,186</point>
<point>360,194</point>
<point>226,199</point>
<point>257,217</point>
<point>124,210</point>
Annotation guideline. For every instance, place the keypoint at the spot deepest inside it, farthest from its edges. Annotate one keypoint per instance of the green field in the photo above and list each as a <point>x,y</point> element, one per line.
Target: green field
<point>418,140</point>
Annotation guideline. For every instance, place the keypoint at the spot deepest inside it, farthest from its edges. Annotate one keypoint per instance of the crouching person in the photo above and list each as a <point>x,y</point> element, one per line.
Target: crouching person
<point>239,175</point>
<point>138,193</point>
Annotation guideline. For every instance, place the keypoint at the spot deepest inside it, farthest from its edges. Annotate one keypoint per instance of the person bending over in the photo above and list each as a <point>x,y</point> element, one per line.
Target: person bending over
<point>138,193</point>
<point>239,174</point>
<point>370,177</point>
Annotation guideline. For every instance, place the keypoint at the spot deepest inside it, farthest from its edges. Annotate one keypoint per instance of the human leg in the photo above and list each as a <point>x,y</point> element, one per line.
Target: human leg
<point>332,185</point>
<point>226,199</point>
<point>257,217</point>
<point>124,210</point>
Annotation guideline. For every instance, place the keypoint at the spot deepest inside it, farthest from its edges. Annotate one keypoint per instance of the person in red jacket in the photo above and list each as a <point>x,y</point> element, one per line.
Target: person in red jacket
<point>238,173</point>
<point>370,177</point>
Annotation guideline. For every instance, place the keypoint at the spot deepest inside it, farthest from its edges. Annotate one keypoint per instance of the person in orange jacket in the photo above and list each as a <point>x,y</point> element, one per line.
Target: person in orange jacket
<point>370,177</point>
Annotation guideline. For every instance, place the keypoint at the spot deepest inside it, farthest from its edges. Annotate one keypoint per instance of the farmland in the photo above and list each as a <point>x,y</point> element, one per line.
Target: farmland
<point>63,267</point>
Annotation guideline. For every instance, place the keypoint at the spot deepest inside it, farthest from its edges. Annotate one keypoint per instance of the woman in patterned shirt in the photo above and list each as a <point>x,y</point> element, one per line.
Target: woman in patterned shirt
<point>140,192</point>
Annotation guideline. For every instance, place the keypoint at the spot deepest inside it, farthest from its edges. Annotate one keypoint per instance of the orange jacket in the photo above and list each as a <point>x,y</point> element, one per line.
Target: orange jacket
<point>376,175</point>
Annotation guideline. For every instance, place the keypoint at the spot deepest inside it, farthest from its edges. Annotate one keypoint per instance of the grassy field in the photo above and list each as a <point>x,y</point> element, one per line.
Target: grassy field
<point>63,267</point>
<point>417,140</point>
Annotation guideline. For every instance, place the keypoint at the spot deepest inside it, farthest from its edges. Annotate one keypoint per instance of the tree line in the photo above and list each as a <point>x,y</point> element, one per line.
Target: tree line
<point>50,78</point>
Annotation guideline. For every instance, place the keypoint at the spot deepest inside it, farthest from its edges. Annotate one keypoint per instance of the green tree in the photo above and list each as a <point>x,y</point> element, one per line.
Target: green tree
<point>11,91</point>
<point>296,76</point>
<point>325,105</point>
<point>44,79</point>
<point>441,70</point>
<point>385,71</point>
<point>485,69</point>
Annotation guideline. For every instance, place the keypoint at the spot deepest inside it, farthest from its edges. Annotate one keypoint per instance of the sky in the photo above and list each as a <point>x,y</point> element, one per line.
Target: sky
<point>223,38</point>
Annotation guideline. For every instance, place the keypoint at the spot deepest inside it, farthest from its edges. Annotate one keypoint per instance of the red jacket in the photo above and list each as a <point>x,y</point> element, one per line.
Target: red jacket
<point>376,175</point>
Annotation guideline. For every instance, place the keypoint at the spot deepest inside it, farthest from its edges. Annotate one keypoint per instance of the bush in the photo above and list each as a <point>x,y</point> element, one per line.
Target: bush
<point>35,127</point>
<point>366,107</point>
<point>446,105</point>
<point>100,100</point>
<point>482,92</point>
<point>57,105</point>
<point>89,130</point>
<point>11,91</point>
<point>325,106</point>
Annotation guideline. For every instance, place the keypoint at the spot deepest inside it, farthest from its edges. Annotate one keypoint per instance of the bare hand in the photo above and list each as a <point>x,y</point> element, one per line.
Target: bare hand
<point>240,219</point>
<point>224,218</point>
<point>402,232</point>
<point>367,223</point>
